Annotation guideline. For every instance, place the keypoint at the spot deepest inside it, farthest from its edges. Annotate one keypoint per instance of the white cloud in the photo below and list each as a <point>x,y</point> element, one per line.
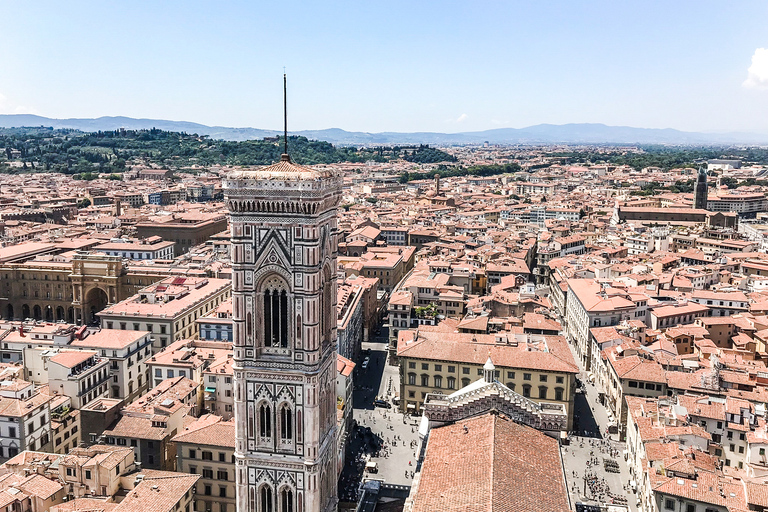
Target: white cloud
<point>757,77</point>
<point>462,118</point>
<point>8,107</point>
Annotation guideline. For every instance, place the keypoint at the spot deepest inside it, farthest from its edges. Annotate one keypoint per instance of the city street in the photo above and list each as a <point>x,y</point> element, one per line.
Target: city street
<point>595,469</point>
<point>383,436</point>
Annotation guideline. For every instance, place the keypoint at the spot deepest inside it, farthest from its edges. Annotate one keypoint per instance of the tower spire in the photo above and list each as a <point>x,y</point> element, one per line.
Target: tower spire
<point>285,156</point>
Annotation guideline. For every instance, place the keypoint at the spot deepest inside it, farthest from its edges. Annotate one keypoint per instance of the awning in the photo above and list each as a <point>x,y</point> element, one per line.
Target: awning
<point>411,406</point>
<point>210,390</point>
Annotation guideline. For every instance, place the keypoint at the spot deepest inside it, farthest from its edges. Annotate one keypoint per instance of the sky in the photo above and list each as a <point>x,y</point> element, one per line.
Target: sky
<point>444,66</point>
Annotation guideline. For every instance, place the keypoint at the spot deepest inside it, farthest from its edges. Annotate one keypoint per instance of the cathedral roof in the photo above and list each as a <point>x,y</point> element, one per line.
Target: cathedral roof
<point>285,170</point>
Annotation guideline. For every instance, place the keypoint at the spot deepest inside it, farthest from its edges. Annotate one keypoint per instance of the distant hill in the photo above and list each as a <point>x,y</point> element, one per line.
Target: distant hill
<point>579,133</point>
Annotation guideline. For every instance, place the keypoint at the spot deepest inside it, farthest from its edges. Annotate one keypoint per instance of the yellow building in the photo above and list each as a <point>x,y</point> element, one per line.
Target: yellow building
<point>207,448</point>
<point>538,367</point>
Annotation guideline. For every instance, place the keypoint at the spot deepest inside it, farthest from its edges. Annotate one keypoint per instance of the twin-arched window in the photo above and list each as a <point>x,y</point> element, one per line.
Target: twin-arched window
<point>286,500</point>
<point>265,499</point>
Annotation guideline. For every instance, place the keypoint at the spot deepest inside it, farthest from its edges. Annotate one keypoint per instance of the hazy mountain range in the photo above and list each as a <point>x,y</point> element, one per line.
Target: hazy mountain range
<point>579,133</point>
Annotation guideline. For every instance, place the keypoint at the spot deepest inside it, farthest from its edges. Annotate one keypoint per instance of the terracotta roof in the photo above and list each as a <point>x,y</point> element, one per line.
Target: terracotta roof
<point>72,358</point>
<point>209,430</point>
<point>490,463</point>
<point>475,349</point>
<point>158,494</point>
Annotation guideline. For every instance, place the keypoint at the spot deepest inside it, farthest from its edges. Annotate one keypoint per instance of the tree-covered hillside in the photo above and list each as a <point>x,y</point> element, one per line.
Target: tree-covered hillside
<point>74,152</point>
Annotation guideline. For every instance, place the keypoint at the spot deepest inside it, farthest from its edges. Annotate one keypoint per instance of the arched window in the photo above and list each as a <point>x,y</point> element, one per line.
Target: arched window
<point>252,496</point>
<point>527,390</point>
<point>286,423</point>
<point>276,314</point>
<point>464,382</point>
<point>412,379</point>
<point>265,420</point>
<point>249,327</point>
<point>451,382</point>
<point>286,500</point>
<point>438,381</point>
<point>425,380</point>
<point>543,392</point>
<point>299,432</point>
<point>265,499</point>
<point>511,385</point>
<point>558,393</point>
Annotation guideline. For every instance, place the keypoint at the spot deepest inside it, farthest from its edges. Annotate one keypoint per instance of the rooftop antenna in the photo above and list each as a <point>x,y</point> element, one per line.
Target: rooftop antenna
<point>285,156</point>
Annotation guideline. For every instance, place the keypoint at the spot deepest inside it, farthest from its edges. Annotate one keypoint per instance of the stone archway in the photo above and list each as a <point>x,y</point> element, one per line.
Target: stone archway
<point>95,300</point>
<point>25,312</point>
<point>48,313</point>
<point>9,312</point>
<point>37,312</point>
<point>60,313</point>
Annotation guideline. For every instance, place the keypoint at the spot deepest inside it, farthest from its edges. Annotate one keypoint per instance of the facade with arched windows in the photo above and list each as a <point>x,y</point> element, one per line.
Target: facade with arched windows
<point>283,248</point>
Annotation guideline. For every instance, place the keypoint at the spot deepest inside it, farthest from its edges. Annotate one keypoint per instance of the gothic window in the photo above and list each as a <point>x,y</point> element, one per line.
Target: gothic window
<point>286,500</point>
<point>265,421</point>
<point>276,318</point>
<point>286,423</point>
<point>275,314</point>
<point>249,327</point>
<point>252,496</point>
<point>265,499</point>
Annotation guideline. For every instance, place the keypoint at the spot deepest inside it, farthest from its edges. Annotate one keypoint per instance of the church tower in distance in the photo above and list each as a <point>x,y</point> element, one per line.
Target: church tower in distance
<point>283,248</point>
<point>700,192</point>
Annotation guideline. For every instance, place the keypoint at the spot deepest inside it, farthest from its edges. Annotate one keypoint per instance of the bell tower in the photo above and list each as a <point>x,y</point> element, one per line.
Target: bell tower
<point>283,249</point>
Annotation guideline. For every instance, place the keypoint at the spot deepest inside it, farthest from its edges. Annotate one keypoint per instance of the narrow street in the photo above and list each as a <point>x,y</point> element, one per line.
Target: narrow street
<point>383,436</point>
<point>595,469</point>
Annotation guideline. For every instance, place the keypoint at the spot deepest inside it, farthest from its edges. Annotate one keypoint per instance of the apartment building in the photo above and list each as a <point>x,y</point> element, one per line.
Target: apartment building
<point>722,303</point>
<point>349,324</point>
<point>217,325</point>
<point>677,314</point>
<point>206,447</point>
<point>65,424</point>
<point>148,424</point>
<point>590,305</point>
<point>152,248</point>
<point>168,309</point>
<point>127,353</point>
<point>81,375</point>
<point>187,358</point>
<point>24,418</point>
<point>218,389</point>
<point>538,367</point>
